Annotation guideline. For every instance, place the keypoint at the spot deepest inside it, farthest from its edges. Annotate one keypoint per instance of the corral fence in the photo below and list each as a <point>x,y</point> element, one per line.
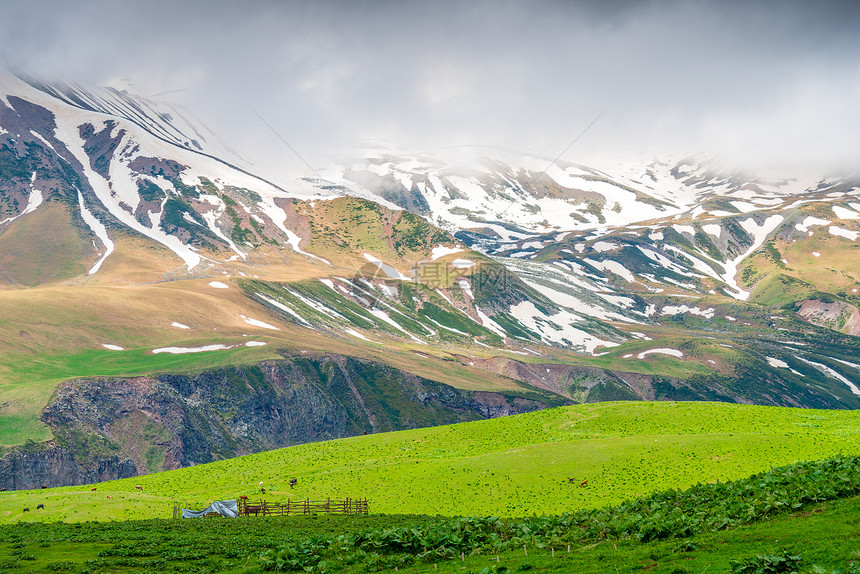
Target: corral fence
<point>290,507</point>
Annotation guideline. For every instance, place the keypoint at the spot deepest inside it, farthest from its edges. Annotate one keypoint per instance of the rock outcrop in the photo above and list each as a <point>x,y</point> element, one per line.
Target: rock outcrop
<point>108,428</point>
<point>836,315</point>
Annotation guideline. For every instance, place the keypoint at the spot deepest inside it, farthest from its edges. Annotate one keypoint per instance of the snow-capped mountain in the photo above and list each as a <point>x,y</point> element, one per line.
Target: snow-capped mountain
<point>516,196</point>
<point>127,166</point>
<point>511,253</point>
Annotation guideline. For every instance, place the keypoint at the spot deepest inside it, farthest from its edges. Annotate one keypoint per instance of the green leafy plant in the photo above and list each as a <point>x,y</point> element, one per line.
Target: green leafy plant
<point>767,564</point>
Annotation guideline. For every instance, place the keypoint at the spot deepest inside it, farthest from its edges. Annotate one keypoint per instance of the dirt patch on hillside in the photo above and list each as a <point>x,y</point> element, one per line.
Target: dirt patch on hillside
<point>837,315</point>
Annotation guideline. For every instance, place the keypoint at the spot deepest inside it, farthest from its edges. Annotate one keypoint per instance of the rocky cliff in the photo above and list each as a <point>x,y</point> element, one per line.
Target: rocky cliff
<point>108,428</point>
<point>836,315</point>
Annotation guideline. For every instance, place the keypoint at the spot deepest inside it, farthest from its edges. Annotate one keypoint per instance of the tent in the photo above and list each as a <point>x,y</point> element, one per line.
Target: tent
<point>227,508</point>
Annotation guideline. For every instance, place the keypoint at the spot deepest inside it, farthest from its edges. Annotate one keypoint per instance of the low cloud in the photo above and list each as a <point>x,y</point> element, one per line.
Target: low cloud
<point>765,84</point>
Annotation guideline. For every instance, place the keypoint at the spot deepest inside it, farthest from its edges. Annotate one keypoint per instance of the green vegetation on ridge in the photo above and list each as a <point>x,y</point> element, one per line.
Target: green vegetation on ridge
<point>660,516</point>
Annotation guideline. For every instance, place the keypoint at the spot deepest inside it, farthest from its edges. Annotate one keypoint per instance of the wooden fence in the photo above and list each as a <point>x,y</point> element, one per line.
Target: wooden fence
<point>290,507</point>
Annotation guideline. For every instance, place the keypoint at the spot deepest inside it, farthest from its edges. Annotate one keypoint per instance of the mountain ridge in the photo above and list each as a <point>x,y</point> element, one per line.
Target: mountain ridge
<point>666,279</point>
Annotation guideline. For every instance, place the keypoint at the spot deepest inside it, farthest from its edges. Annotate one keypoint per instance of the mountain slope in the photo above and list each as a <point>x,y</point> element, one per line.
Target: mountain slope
<point>134,243</point>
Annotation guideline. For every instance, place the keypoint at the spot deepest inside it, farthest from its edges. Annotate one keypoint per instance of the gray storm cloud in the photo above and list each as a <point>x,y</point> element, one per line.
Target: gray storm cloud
<point>762,84</point>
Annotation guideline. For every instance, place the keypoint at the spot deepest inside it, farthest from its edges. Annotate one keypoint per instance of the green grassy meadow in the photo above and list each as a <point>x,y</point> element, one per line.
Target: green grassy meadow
<point>825,536</point>
<point>511,466</point>
<point>814,528</point>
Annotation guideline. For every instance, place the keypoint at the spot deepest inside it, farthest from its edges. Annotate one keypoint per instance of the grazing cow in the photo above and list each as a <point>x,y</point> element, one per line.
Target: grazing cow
<point>44,486</point>
<point>3,489</point>
<point>138,487</point>
<point>571,480</point>
<point>583,483</point>
<point>40,506</point>
<point>243,497</point>
<point>110,497</point>
<point>93,489</point>
<point>262,488</point>
<point>26,510</point>
<point>293,482</point>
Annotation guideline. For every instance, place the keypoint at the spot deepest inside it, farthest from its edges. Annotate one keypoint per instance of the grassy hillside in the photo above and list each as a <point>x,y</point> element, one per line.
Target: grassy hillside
<point>790,268</point>
<point>42,248</point>
<point>824,536</point>
<point>798,518</point>
<point>512,466</point>
<point>342,229</point>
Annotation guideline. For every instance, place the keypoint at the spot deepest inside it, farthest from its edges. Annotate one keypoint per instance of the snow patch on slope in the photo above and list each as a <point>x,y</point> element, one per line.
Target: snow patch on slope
<point>843,213</point>
<point>358,335</point>
<point>288,310</point>
<point>67,132</point>
<point>184,350</point>
<point>99,229</point>
<point>34,200</point>
<point>386,268</point>
<point>613,267</point>
<point>828,371</point>
<point>759,233</point>
<point>557,328</point>
<point>442,251</point>
<point>840,232</point>
<point>713,229</point>
<point>672,352</point>
<point>675,310</point>
<point>258,323</point>
<point>810,222</point>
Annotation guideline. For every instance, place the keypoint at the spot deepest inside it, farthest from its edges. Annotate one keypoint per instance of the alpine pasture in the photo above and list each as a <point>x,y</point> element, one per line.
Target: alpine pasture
<point>511,466</point>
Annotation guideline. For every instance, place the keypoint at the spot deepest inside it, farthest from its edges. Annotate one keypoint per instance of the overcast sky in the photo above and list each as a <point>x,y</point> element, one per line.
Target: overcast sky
<point>768,83</point>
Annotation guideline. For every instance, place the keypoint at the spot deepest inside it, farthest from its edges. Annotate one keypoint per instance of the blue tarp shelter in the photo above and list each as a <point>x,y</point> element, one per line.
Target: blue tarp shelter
<point>227,508</point>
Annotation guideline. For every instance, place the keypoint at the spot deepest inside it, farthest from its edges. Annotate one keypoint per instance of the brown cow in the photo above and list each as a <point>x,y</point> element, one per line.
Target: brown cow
<point>93,489</point>
<point>138,487</point>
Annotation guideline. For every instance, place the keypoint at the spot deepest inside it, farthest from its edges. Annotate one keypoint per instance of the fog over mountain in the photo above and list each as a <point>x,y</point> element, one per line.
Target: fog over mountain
<point>767,85</point>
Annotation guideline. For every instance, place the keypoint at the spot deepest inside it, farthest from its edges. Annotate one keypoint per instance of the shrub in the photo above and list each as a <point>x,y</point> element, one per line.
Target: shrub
<point>767,564</point>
